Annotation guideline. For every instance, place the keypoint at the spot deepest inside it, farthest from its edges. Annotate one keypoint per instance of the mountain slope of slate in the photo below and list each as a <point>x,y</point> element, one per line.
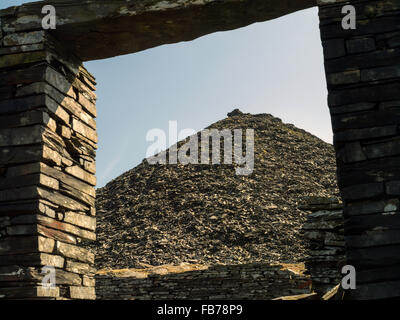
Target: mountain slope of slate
<point>170,214</point>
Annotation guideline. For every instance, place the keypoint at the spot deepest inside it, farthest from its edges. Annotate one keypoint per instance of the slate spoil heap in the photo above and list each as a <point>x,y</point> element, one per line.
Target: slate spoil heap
<point>206,214</point>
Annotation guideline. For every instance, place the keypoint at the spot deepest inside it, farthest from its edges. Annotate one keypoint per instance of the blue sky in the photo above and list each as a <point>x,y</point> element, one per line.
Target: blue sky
<point>272,67</point>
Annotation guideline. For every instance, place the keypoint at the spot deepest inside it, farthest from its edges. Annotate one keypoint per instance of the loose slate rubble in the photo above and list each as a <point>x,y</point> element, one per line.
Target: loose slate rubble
<point>169,214</point>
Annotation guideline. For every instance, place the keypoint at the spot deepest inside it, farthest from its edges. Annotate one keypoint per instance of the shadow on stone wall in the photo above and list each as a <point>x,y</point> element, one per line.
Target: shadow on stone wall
<point>47,165</point>
<point>223,282</point>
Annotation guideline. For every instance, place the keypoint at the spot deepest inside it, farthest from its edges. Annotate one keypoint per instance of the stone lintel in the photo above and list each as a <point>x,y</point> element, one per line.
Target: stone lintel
<point>107,28</point>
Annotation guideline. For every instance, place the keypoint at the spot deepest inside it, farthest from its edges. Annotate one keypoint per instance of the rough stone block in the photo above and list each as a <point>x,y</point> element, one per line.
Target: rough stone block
<point>80,220</point>
<point>29,244</point>
<point>363,191</point>
<point>334,48</point>
<point>74,252</point>
<point>367,133</point>
<point>82,174</point>
<point>32,259</point>
<point>79,267</point>
<point>393,188</point>
<point>85,293</point>
<point>17,39</point>
<point>382,149</point>
<point>380,73</point>
<point>54,224</point>
<point>29,292</point>
<point>360,45</point>
<point>18,59</point>
<point>346,77</point>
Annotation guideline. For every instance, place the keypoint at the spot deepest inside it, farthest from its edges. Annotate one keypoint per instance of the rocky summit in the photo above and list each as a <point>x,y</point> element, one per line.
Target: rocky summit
<point>207,214</point>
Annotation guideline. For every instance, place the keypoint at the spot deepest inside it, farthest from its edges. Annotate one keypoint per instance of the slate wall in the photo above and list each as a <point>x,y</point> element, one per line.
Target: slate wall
<point>48,142</point>
<point>324,230</point>
<point>363,76</point>
<point>240,282</point>
<point>47,166</point>
<point>326,255</point>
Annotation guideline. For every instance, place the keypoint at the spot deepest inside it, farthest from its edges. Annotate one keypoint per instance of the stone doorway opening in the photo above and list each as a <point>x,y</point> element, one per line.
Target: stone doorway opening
<point>49,134</point>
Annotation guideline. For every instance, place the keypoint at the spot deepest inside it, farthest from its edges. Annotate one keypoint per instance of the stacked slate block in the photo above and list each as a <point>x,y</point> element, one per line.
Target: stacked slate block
<point>325,233</point>
<point>363,76</point>
<point>48,142</point>
<point>257,281</point>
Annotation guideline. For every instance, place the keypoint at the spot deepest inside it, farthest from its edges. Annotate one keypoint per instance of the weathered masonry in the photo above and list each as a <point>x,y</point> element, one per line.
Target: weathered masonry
<point>363,76</point>
<point>254,281</point>
<point>48,132</point>
<point>47,154</point>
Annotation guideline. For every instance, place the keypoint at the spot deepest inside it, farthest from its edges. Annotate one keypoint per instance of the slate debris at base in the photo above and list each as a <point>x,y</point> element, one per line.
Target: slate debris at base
<point>324,230</point>
<point>206,214</point>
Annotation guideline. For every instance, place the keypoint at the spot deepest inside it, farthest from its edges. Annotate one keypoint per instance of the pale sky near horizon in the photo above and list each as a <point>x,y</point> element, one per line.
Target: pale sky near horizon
<point>272,67</point>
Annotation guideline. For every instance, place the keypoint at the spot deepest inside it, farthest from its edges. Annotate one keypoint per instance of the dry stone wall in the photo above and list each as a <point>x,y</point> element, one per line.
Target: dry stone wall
<point>47,169</point>
<point>240,282</point>
<point>48,139</point>
<point>324,230</point>
<point>363,75</point>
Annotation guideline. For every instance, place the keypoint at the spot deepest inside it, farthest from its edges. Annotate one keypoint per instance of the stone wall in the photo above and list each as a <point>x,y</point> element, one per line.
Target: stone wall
<point>47,165</point>
<point>48,139</point>
<point>324,230</point>
<point>363,75</point>
<point>240,282</point>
